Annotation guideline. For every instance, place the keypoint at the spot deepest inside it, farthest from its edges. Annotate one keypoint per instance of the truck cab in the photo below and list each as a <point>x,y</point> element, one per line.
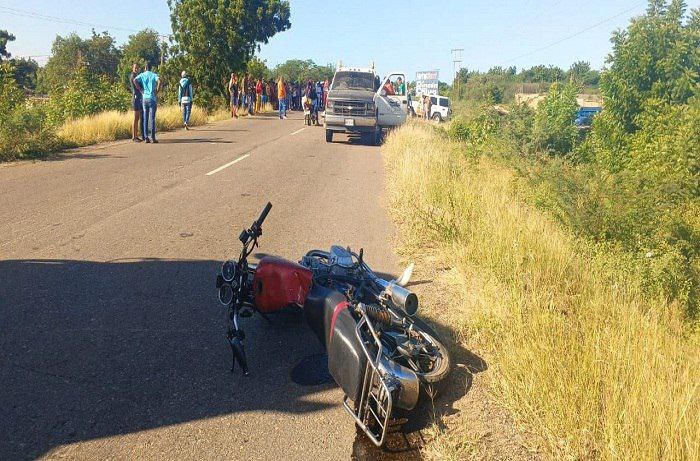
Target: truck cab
<point>360,102</point>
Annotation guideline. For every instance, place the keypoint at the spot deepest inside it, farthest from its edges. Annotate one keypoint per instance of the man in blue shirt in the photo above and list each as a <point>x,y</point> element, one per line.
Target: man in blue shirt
<point>149,84</point>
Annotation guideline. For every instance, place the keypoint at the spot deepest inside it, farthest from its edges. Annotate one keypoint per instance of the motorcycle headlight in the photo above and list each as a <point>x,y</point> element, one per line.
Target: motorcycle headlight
<point>225,294</point>
<point>228,270</point>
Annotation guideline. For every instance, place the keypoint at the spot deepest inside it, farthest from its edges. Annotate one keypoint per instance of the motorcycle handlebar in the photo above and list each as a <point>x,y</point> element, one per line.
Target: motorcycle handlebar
<point>264,213</point>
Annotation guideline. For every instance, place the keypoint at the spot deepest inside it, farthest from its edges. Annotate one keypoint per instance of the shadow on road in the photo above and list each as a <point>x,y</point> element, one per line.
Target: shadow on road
<point>194,141</point>
<point>220,130</point>
<point>92,349</point>
<point>95,349</point>
<point>72,155</point>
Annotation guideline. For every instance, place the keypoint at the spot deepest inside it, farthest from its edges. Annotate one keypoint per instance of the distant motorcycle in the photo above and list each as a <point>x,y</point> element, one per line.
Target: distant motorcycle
<point>379,353</point>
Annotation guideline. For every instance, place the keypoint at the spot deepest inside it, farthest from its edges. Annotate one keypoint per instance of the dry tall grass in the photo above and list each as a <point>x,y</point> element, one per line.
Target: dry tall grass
<point>114,125</point>
<point>576,350</point>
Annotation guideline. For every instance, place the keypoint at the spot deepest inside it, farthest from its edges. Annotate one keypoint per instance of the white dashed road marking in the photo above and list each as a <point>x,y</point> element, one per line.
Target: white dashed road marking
<point>242,157</point>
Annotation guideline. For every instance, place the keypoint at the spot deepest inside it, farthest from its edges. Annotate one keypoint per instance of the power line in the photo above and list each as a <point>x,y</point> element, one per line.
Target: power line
<point>57,19</point>
<point>576,34</point>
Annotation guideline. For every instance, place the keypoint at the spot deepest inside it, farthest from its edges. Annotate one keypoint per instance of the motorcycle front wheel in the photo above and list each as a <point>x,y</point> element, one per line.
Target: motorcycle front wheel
<point>434,380</point>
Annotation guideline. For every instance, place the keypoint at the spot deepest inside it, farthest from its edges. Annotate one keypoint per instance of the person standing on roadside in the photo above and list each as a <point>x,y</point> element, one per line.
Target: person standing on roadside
<point>242,103</point>
<point>149,84</point>
<point>251,95</point>
<point>185,95</point>
<point>282,97</point>
<point>258,96</point>
<point>137,105</point>
<point>265,94</point>
<point>233,92</point>
<point>326,88</point>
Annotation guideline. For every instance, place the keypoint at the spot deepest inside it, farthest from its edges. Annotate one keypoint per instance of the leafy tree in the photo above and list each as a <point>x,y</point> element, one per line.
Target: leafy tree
<point>258,69</point>
<point>554,128</point>
<point>141,47</point>
<point>542,74</point>
<point>297,70</point>
<point>11,95</point>
<point>5,37</point>
<point>581,72</point>
<point>444,89</point>
<point>25,72</point>
<point>657,56</point>
<point>216,37</point>
<point>498,70</point>
<point>98,55</point>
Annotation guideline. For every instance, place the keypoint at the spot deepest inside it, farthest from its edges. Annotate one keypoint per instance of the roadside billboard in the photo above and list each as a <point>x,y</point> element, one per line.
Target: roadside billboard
<point>427,82</point>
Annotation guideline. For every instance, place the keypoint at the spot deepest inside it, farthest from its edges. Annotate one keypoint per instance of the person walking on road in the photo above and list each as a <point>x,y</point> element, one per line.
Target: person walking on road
<point>233,93</point>
<point>185,95</point>
<point>282,97</point>
<point>137,105</point>
<point>149,84</point>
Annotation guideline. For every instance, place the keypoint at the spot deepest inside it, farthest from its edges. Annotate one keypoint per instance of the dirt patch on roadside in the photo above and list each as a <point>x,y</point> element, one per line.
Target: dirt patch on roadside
<point>468,423</point>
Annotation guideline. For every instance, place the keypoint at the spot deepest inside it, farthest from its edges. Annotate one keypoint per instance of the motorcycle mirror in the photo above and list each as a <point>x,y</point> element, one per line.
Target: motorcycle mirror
<point>405,276</point>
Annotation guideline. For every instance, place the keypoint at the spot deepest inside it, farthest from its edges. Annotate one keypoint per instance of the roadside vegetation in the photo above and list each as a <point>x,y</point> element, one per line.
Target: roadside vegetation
<point>578,252</point>
<point>81,95</point>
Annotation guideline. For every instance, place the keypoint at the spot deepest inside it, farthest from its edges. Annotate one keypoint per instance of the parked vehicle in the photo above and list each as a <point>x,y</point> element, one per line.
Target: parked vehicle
<point>584,116</point>
<point>440,110</point>
<point>360,102</point>
<point>381,355</point>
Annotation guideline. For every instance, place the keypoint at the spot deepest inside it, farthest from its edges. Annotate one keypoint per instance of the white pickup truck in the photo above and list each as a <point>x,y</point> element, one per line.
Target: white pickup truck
<point>439,111</point>
<point>360,102</point>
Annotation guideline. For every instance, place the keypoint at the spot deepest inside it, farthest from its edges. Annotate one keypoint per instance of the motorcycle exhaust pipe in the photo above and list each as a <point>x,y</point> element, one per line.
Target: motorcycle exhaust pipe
<point>401,297</point>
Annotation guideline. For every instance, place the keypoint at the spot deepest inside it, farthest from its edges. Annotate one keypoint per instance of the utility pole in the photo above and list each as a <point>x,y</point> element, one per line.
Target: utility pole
<point>457,60</point>
<point>162,48</point>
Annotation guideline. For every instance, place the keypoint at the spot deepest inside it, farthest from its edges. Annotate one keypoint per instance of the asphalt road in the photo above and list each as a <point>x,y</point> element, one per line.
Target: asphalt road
<point>111,335</point>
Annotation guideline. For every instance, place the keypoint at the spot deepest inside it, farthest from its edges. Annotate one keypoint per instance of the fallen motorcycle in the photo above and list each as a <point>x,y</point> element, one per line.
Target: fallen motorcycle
<point>380,354</point>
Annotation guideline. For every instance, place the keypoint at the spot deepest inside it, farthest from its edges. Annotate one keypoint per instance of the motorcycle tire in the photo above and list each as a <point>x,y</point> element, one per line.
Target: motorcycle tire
<point>434,382</point>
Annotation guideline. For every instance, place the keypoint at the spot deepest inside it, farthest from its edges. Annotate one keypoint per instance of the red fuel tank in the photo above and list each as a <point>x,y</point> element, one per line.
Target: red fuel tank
<point>279,283</point>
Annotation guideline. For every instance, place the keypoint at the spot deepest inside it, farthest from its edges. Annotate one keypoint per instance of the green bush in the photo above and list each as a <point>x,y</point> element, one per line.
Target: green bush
<point>86,94</point>
<point>554,130</point>
<point>24,128</point>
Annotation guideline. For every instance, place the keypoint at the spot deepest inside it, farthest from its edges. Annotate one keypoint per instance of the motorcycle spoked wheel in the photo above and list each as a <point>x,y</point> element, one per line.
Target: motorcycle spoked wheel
<point>431,385</point>
<point>433,381</point>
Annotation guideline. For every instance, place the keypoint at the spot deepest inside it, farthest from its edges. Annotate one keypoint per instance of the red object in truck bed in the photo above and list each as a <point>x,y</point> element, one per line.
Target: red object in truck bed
<point>280,283</point>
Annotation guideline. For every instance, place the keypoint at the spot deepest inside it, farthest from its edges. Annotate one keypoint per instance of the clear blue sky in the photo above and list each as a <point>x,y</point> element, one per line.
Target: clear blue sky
<point>413,35</point>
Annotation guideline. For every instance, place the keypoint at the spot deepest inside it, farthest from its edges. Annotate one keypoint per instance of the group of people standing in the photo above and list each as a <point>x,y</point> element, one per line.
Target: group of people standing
<point>145,87</point>
<point>251,95</point>
<point>247,94</point>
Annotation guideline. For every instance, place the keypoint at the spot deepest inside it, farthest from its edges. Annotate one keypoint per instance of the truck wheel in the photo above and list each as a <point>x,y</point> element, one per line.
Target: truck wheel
<point>377,137</point>
<point>329,135</point>
<point>437,117</point>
